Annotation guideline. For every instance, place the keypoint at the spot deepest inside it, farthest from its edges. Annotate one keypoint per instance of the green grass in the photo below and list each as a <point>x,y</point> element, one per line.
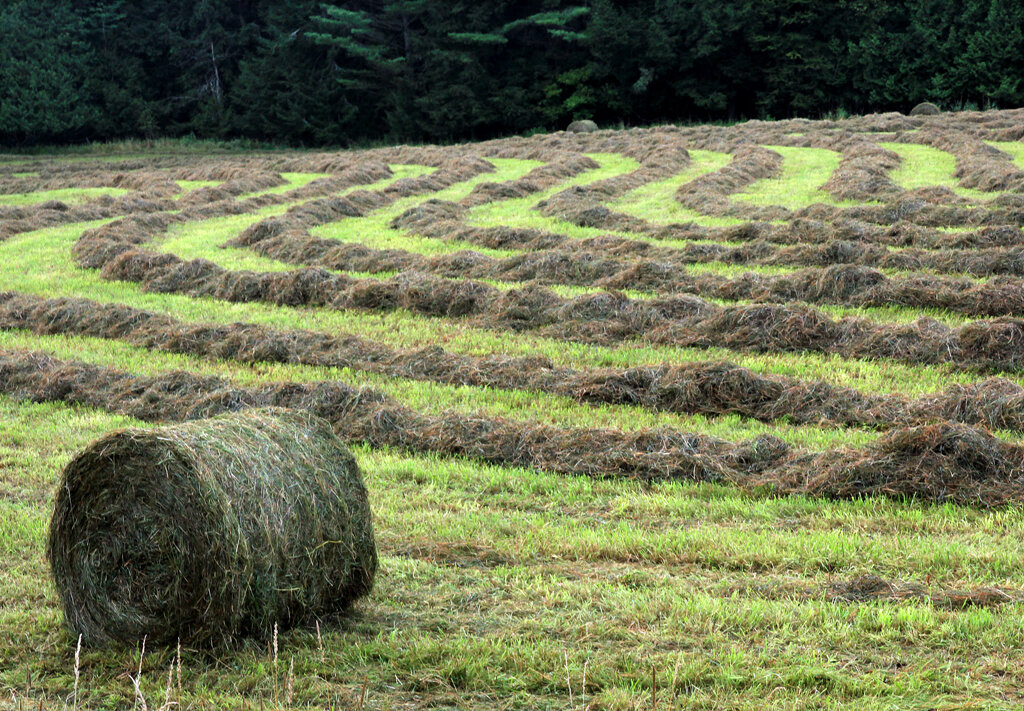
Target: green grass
<point>70,196</point>
<point>501,586</point>
<point>656,203</point>
<point>924,166</point>
<point>804,171</point>
<point>292,182</point>
<point>1015,149</point>
<point>39,263</point>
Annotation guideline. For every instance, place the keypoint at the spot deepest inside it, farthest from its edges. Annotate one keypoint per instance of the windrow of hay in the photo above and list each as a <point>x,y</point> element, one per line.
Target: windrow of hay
<point>599,318</point>
<point>591,263</point>
<point>978,165</point>
<point>144,213</point>
<point>97,246</point>
<point>540,178</point>
<point>938,463</point>
<point>148,180</point>
<point>986,252</point>
<point>944,461</point>
<point>205,530</point>
<point>707,388</point>
<point>16,220</point>
<point>863,173</point>
<point>363,415</point>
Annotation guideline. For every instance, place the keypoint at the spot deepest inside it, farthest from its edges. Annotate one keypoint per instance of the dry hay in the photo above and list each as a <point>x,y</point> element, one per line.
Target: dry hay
<point>940,462</point>
<point>600,318</point>
<point>873,588</point>
<point>843,246</point>
<point>925,109</point>
<point>210,529</point>
<point>584,126</point>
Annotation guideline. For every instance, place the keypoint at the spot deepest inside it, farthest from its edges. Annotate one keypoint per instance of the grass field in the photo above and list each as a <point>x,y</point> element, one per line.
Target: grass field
<point>766,439</point>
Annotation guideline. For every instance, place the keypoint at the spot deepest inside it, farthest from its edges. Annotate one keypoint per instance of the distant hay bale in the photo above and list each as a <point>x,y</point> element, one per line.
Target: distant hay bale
<point>211,529</point>
<point>925,109</point>
<point>585,126</point>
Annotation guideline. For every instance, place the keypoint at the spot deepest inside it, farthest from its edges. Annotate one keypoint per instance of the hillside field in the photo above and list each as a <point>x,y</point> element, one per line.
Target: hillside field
<point>713,417</point>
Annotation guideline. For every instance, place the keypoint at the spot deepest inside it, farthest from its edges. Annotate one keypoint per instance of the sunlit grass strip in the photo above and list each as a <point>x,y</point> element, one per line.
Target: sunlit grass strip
<point>292,181</point>
<point>798,185</point>
<point>375,227</point>
<point>656,203</point>
<point>39,263</point>
<point>1014,148</point>
<point>923,166</point>
<point>69,196</point>
<point>203,238</point>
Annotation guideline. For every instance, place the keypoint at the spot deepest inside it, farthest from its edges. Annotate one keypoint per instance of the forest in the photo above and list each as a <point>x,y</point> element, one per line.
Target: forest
<point>309,73</point>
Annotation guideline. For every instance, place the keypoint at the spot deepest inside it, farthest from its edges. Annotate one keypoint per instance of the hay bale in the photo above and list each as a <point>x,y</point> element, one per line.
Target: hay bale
<point>585,126</point>
<point>211,529</point>
<point>925,109</point>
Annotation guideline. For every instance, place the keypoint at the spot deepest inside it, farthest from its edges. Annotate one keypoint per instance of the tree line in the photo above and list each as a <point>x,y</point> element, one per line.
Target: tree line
<point>305,72</point>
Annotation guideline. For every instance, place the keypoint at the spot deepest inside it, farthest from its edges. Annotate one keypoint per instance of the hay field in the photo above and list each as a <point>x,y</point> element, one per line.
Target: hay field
<point>704,417</point>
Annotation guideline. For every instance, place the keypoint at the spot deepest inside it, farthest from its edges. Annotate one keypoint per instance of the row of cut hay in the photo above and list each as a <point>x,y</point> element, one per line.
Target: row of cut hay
<point>230,189</point>
<point>599,318</point>
<point>707,388</point>
<point>354,204</point>
<point>939,462</point>
<point>141,227</point>
<point>863,172</point>
<point>363,415</point>
<point>540,178</point>
<point>811,243</point>
<point>1001,125</point>
<point>933,207</point>
<point>978,165</point>
<point>145,213</point>
<point>17,220</point>
<point>588,263</point>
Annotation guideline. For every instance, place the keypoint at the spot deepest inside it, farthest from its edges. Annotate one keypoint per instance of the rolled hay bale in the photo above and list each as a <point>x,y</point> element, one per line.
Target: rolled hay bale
<point>211,529</point>
<point>585,126</point>
<point>925,109</point>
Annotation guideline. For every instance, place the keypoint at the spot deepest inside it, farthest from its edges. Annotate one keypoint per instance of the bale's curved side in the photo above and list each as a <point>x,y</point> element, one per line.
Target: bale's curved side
<point>210,529</point>
<point>925,109</point>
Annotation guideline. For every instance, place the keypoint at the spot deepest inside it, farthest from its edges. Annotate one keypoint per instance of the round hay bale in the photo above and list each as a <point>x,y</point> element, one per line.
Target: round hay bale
<point>925,109</point>
<point>585,126</point>
<point>210,529</point>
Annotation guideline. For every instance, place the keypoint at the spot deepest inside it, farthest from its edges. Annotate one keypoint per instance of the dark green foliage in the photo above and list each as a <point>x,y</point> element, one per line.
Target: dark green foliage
<point>315,73</point>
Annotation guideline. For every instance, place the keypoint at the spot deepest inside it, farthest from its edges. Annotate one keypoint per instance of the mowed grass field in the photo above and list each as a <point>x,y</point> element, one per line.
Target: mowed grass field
<point>539,286</point>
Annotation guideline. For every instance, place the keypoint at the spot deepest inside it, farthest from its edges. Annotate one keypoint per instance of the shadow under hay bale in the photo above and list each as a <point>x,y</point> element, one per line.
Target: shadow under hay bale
<point>211,529</point>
